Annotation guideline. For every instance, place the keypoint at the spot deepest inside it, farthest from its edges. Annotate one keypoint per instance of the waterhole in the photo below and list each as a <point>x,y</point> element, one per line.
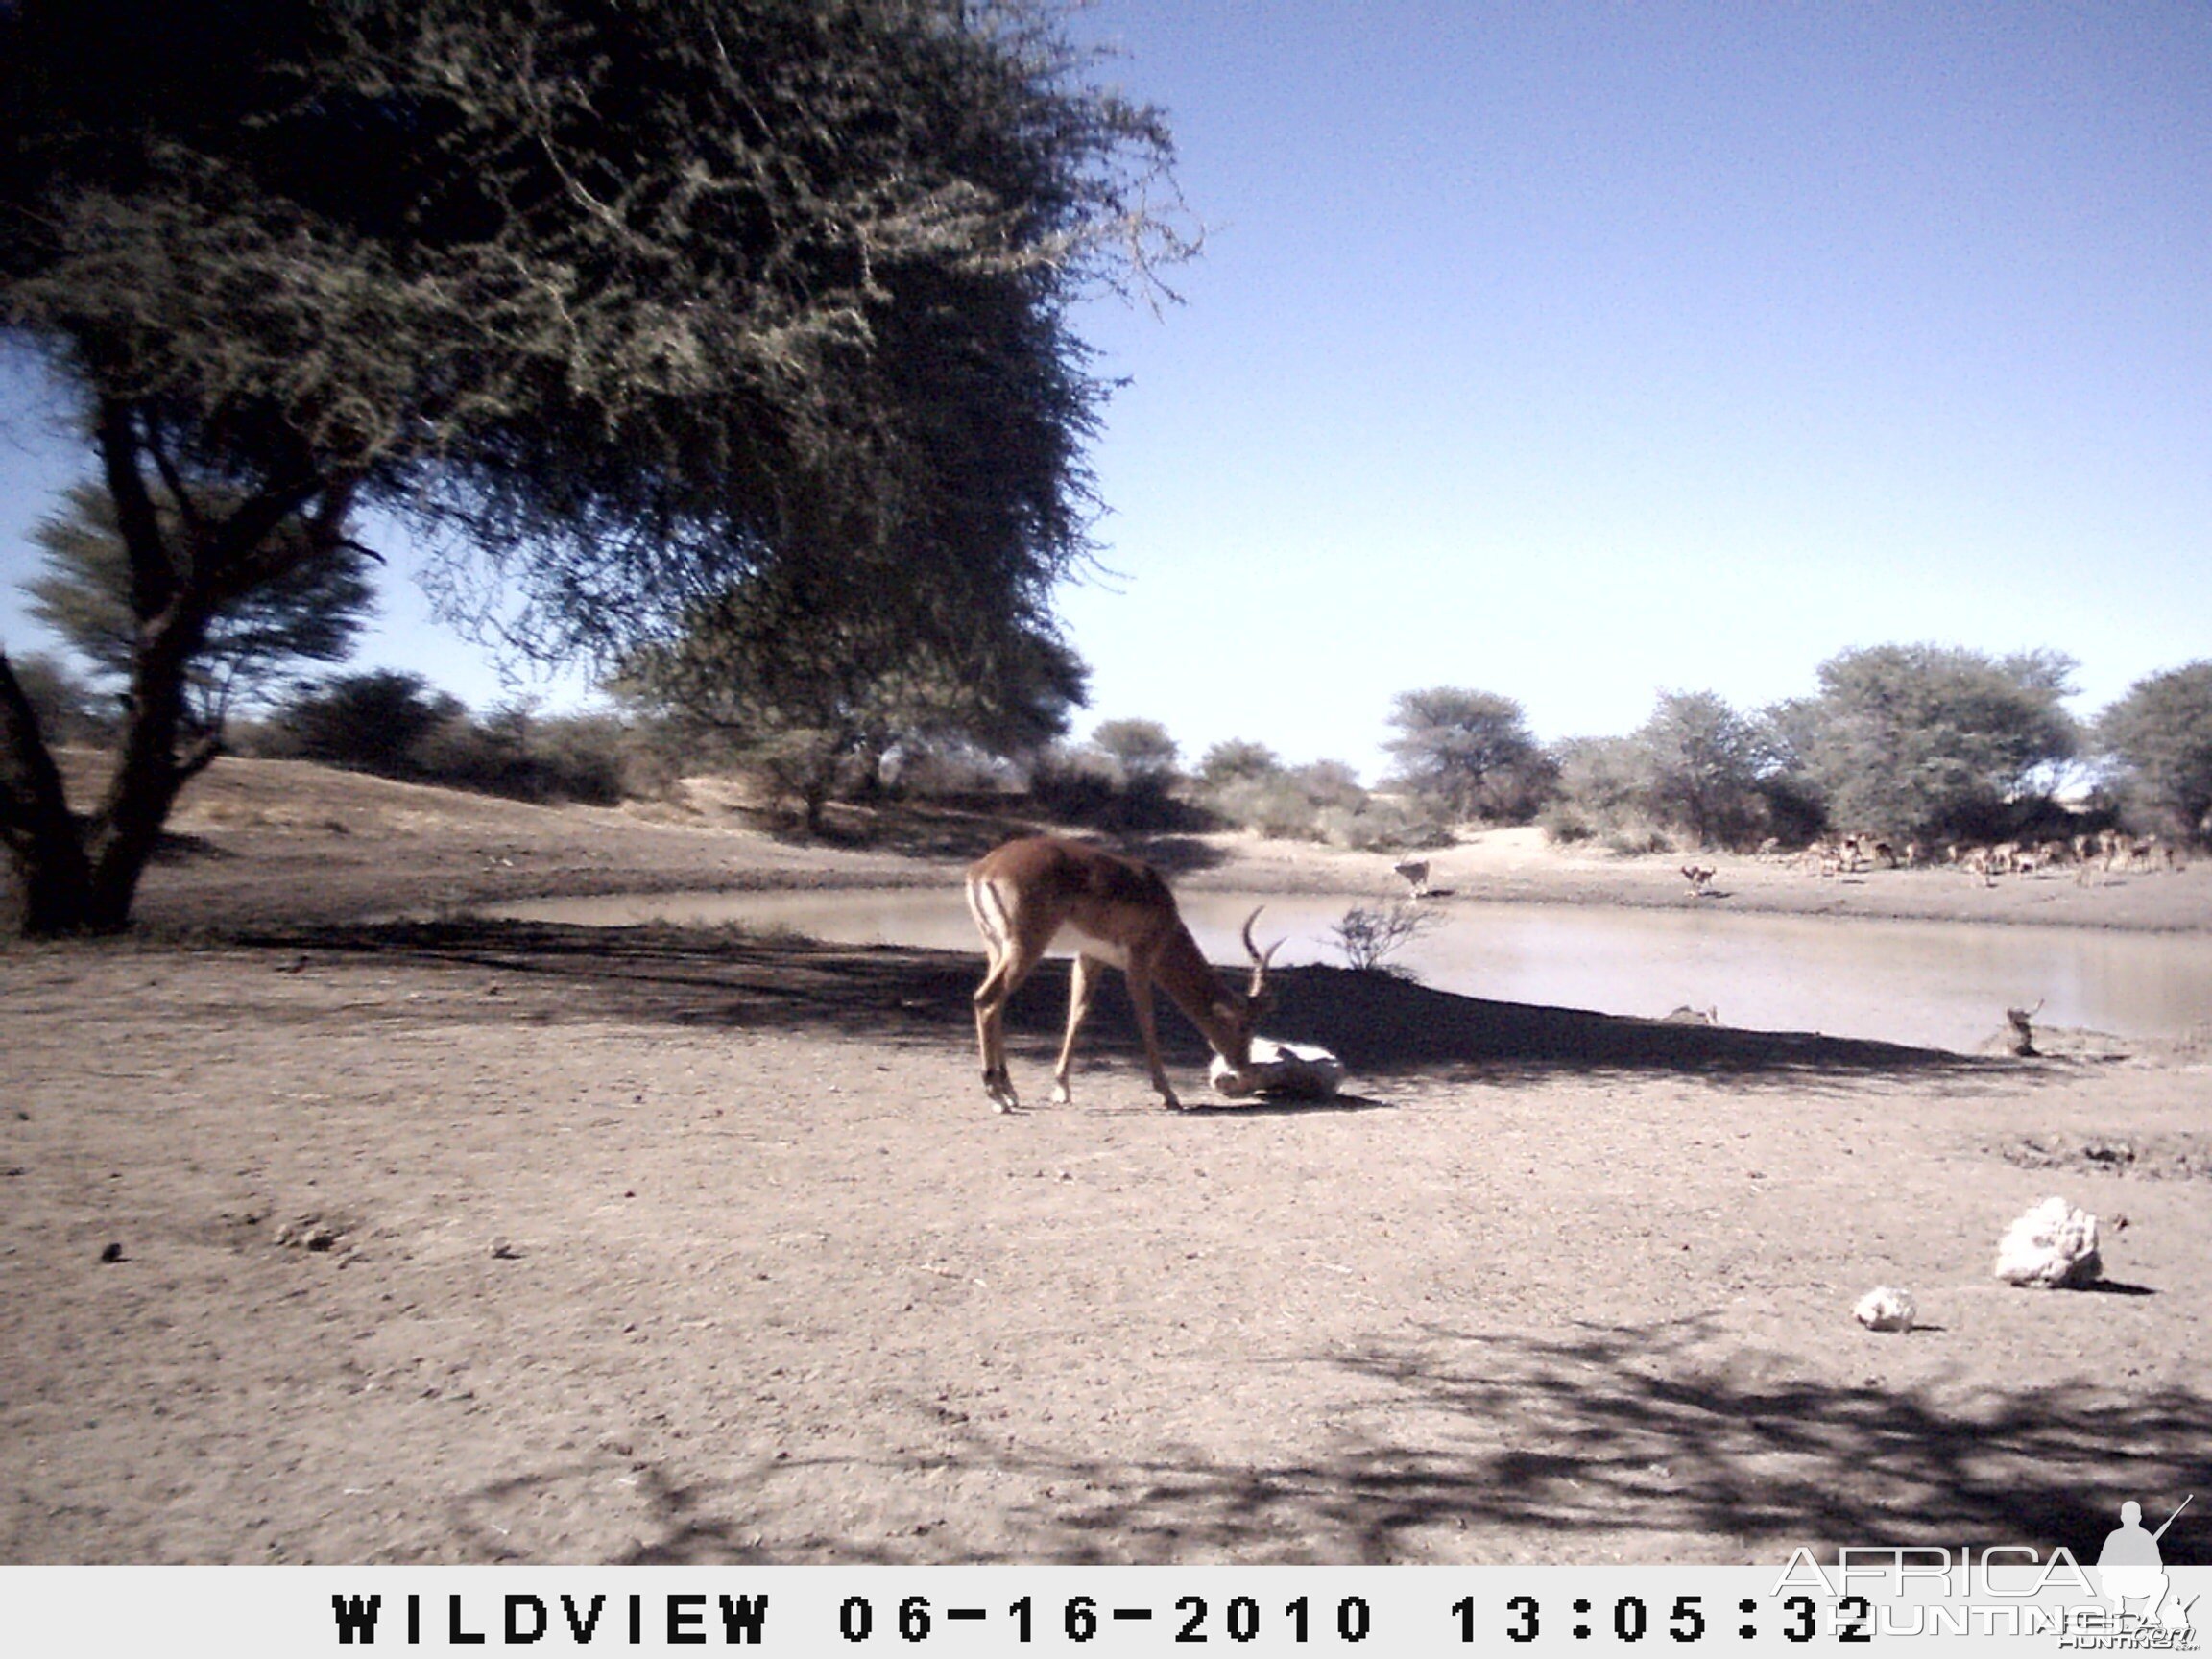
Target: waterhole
<point>1943,985</point>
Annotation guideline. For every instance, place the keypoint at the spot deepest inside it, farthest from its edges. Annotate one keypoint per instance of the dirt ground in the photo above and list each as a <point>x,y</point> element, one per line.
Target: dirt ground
<point>338,1227</point>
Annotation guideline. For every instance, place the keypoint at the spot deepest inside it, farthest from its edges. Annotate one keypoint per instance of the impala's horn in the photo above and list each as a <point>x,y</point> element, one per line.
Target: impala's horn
<point>1260,961</point>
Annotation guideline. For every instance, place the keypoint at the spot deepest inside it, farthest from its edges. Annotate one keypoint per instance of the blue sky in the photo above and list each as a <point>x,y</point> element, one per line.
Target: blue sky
<point>1582,352</point>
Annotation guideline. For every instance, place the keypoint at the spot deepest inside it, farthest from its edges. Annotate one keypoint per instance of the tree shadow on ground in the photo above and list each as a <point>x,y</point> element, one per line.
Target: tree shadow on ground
<point>1575,1446</point>
<point>1380,1025</point>
<point>1625,1441</point>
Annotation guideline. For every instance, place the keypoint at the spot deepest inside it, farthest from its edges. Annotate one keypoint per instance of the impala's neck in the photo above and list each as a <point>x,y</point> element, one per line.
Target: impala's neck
<point>1191,983</point>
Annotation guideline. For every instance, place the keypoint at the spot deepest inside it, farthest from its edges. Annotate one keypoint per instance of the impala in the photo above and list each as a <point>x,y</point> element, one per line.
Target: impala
<point>1119,913</point>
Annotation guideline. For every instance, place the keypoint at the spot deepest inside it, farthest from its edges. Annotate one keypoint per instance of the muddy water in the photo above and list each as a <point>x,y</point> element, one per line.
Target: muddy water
<point>1941,984</point>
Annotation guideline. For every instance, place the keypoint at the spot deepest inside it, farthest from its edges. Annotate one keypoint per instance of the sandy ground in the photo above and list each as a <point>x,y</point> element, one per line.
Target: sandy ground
<point>324,1237</point>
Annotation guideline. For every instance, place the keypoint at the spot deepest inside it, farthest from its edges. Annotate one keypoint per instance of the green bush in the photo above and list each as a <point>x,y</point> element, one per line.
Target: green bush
<point>1564,823</point>
<point>1272,805</point>
<point>397,725</point>
<point>1383,824</point>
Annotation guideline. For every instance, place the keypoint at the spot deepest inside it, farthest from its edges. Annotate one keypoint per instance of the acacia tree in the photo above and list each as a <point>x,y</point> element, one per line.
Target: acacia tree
<point>1141,752</point>
<point>1470,753</point>
<point>1926,739</point>
<point>1237,761</point>
<point>1699,763</point>
<point>622,301</point>
<point>310,612</point>
<point>371,722</point>
<point>2160,735</point>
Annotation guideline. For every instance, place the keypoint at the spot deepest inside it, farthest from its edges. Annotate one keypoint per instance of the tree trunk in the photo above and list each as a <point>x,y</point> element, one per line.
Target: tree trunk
<point>83,878</point>
<point>79,878</point>
<point>815,795</point>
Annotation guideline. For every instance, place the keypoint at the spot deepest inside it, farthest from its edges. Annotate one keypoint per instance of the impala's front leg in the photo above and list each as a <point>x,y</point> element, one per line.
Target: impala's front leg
<point>1082,982</point>
<point>1140,999</point>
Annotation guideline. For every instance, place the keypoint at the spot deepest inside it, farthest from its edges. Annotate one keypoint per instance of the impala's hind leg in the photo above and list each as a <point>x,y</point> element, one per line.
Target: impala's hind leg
<point>991,1040</point>
<point>1009,966</point>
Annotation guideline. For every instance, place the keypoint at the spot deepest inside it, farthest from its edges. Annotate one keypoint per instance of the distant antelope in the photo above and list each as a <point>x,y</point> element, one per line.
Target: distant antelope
<point>1700,877</point>
<point>1415,871</point>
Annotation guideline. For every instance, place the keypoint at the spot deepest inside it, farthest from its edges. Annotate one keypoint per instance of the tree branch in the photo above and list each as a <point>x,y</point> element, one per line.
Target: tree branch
<point>153,569</point>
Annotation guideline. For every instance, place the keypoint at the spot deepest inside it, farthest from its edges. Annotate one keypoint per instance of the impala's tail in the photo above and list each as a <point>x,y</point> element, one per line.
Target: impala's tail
<point>992,920</point>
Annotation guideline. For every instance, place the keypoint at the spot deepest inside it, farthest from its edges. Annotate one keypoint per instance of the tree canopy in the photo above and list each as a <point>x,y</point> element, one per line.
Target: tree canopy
<point>2160,735</point>
<point>640,301</point>
<point>1138,749</point>
<point>1700,764</point>
<point>1469,753</point>
<point>1927,740</point>
<point>311,611</point>
<point>811,686</point>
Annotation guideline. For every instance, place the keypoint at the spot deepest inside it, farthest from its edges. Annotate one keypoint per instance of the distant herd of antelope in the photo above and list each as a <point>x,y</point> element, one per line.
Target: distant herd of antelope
<point>2086,855</point>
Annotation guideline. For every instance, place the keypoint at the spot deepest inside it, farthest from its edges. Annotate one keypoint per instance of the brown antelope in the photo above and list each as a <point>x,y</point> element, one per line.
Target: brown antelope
<point>1700,877</point>
<point>1119,913</point>
<point>1415,872</point>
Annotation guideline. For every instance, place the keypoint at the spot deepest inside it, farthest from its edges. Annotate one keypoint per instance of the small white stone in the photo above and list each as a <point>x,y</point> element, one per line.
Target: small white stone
<point>2054,1246</point>
<point>1885,1308</point>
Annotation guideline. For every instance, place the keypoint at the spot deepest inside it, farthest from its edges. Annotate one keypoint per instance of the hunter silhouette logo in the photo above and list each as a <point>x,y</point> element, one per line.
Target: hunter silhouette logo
<point>2130,1569</point>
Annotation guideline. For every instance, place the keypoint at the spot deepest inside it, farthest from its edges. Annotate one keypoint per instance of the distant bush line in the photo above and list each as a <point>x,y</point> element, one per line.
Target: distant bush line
<point>1914,743</point>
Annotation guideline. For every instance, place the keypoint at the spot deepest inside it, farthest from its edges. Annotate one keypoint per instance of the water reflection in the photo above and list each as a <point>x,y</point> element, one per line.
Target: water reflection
<point>1938,984</point>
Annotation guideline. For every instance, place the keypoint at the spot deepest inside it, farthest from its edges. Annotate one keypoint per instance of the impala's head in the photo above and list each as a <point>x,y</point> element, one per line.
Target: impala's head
<point>1238,1017</point>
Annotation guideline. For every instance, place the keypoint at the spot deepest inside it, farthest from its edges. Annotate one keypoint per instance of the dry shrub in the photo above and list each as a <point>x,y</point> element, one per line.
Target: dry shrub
<point>1369,935</point>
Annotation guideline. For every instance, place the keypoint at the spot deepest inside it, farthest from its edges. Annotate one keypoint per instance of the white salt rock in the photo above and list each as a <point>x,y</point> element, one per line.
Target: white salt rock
<point>2052,1247</point>
<point>1885,1308</point>
<point>1284,1070</point>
